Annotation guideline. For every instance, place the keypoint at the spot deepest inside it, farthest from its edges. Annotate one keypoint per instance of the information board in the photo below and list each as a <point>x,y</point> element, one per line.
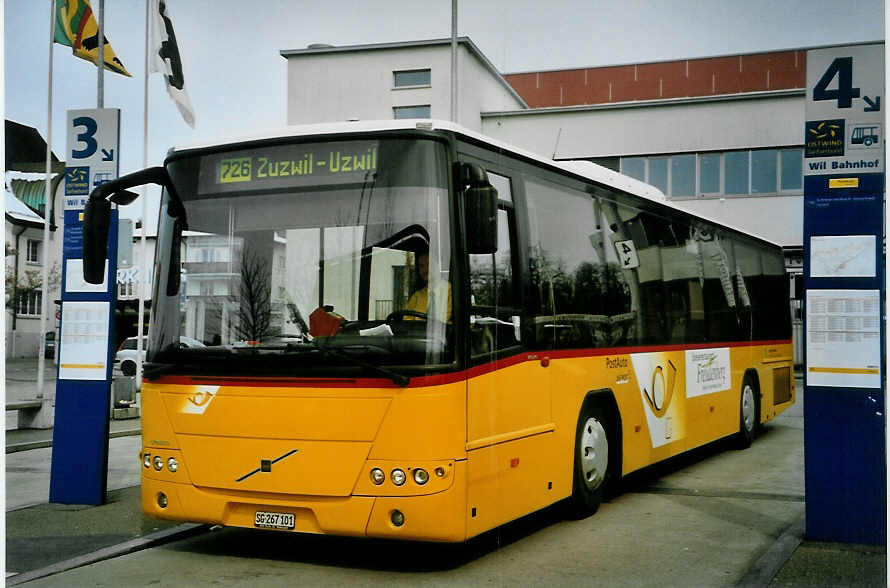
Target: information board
<point>844,338</point>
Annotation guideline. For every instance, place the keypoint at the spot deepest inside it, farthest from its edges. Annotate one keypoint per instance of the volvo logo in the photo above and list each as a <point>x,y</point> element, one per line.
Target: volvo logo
<point>266,465</point>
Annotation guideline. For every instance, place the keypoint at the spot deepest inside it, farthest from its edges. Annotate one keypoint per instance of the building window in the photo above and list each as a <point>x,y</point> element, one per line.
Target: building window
<point>411,78</point>
<point>764,171</point>
<point>737,169</point>
<point>683,175</point>
<point>729,173</point>
<point>634,167</point>
<point>206,288</point>
<point>419,111</point>
<point>30,302</point>
<point>791,168</point>
<point>658,173</point>
<point>709,173</point>
<point>32,254</point>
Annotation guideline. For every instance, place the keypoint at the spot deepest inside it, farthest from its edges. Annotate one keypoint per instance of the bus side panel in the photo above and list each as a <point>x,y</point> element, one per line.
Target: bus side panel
<point>424,423</point>
<point>776,374</point>
<point>714,407</point>
<point>509,480</point>
<point>432,517</point>
<point>649,433</point>
<point>157,431</point>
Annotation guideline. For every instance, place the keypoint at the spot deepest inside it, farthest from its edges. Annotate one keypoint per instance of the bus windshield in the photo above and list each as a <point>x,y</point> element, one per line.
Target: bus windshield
<point>306,257</point>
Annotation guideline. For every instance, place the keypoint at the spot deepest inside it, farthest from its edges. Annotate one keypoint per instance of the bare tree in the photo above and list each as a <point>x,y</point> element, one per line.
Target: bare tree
<point>254,302</point>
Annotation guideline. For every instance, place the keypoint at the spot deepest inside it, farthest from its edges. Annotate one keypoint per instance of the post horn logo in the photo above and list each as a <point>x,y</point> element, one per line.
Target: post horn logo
<point>662,389</point>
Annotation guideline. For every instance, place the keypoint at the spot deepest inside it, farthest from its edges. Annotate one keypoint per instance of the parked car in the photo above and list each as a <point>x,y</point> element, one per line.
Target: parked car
<point>125,358</point>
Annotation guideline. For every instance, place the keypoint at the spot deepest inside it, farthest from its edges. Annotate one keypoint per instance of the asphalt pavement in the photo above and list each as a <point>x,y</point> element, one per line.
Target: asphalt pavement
<point>50,544</point>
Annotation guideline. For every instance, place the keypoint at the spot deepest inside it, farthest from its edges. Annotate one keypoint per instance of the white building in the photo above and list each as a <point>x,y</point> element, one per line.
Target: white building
<point>23,230</point>
<point>393,80</point>
<point>723,135</point>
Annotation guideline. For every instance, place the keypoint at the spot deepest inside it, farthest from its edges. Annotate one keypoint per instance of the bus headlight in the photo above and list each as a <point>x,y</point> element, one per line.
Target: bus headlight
<point>377,476</point>
<point>421,476</point>
<point>398,477</point>
<point>159,462</point>
<point>172,464</point>
<point>146,460</point>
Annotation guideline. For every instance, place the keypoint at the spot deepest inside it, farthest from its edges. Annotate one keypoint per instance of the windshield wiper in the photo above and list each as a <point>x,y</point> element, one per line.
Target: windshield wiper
<point>397,378</point>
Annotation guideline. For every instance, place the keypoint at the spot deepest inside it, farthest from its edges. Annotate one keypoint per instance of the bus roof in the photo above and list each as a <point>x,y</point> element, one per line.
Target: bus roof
<point>582,168</point>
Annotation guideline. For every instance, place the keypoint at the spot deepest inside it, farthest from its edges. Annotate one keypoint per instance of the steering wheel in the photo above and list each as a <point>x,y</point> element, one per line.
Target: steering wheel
<point>398,315</point>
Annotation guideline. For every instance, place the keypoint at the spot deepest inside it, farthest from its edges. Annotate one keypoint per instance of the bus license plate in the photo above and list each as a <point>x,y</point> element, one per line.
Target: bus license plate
<point>274,520</point>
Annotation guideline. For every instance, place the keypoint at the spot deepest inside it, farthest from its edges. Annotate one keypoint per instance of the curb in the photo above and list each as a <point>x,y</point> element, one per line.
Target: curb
<point>125,548</point>
<point>15,448</point>
<point>769,564</point>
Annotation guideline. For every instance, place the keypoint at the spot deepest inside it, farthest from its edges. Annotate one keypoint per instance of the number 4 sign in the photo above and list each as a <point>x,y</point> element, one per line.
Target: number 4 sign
<point>844,123</point>
<point>627,254</point>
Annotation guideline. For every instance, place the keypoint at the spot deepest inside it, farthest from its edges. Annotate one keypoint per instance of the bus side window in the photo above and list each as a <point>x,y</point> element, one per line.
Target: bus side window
<point>579,295</point>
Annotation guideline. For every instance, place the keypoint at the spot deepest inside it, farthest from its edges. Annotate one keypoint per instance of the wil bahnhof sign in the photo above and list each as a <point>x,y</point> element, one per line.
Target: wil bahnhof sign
<point>844,152</point>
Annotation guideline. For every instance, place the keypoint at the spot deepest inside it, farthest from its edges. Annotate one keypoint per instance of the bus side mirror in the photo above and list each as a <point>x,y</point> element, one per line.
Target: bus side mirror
<point>481,211</point>
<point>96,220</point>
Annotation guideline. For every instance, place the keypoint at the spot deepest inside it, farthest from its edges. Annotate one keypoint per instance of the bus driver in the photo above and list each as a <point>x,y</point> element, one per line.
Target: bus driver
<point>419,300</point>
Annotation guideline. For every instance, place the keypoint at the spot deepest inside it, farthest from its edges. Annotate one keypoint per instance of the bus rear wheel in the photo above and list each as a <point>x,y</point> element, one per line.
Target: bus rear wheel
<point>749,412</point>
<point>591,462</point>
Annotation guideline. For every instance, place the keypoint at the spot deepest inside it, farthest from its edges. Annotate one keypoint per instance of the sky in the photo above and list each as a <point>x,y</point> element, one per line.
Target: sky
<point>236,77</point>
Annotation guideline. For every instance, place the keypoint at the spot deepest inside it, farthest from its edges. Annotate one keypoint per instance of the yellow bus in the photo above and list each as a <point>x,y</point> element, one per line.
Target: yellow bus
<point>414,331</point>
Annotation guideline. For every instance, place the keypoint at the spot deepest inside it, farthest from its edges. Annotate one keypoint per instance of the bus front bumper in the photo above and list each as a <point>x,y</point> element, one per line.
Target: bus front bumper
<point>430,517</point>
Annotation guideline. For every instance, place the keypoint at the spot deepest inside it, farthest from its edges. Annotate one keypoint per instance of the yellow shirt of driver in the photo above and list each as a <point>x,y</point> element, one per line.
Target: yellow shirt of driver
<point>419,302</point>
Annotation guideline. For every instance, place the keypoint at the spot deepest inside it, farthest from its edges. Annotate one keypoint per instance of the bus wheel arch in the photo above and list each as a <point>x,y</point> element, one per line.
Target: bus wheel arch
<point>749,409</point>
<point>596,463</point>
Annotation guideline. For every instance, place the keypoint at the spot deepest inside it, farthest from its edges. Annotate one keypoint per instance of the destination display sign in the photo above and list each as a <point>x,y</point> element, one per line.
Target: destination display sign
<point>286,166</point>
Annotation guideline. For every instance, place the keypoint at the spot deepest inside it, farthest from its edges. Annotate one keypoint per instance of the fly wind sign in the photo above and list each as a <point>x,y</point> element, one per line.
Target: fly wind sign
<point>844,128</point>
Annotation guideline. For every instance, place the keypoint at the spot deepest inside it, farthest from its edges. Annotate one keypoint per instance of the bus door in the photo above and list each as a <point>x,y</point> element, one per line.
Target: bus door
<point>508,390</point>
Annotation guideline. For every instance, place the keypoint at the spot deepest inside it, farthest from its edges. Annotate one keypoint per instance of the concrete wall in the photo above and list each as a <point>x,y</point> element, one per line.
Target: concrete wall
<point>337,86</point>
<point>652,129</point>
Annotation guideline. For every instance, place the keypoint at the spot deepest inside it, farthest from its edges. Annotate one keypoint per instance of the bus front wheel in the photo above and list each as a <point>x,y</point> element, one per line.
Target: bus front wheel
<point>591,463</point>
<point>749,412</point>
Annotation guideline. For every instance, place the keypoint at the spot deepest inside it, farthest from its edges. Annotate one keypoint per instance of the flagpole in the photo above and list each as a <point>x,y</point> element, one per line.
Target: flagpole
<point>46,418</point>
<point>454,61</point>
<point>143,271</point>
<point>100,91</point>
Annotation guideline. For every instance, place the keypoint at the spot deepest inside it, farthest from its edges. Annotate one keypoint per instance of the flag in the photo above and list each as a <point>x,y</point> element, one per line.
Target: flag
<point>76,28</point>
<point>166,60</point>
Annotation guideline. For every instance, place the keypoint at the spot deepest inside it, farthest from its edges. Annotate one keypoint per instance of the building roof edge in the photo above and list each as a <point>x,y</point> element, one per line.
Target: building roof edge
<point>287,53</point>
<point>700,57</point>
<point>643,103</point>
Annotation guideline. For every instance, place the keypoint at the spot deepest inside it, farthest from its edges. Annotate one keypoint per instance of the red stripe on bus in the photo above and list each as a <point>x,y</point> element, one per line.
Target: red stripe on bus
<point>448,378</point>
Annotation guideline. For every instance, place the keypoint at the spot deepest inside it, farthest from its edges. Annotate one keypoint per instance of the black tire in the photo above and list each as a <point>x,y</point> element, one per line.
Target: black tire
<point>749,412</point>
<point>591,464</point>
